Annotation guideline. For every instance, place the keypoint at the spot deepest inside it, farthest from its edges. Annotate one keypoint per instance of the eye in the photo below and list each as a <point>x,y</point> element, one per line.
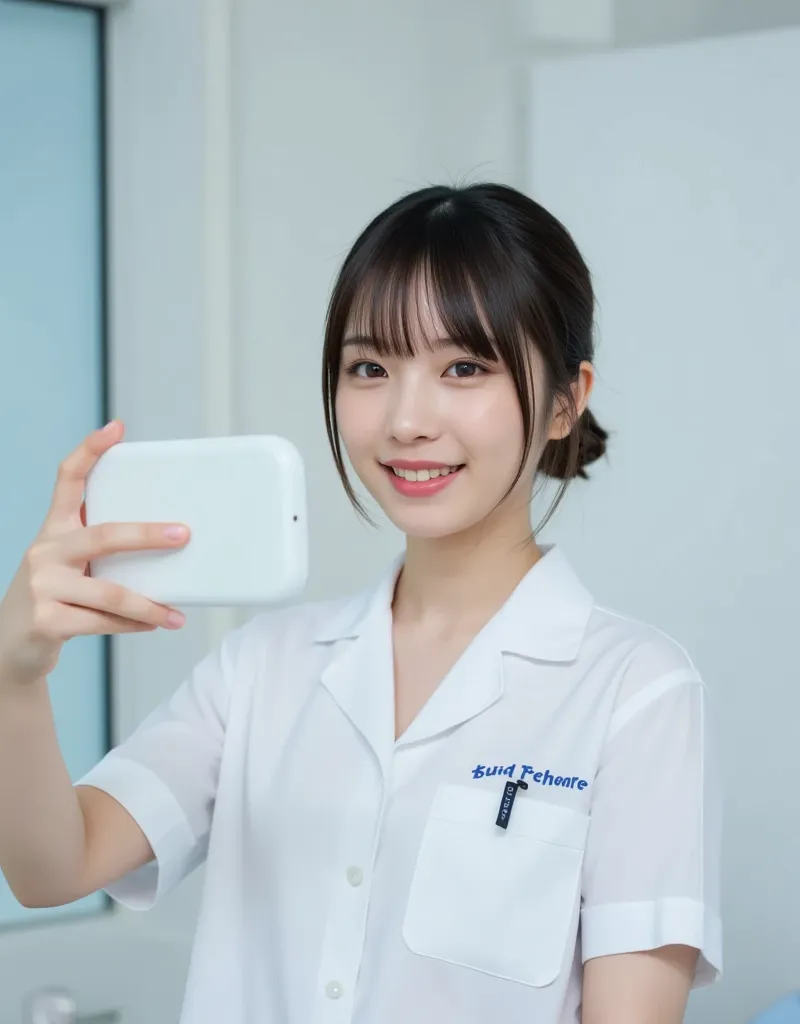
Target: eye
<point>366,370</point>
<point>463,369</point>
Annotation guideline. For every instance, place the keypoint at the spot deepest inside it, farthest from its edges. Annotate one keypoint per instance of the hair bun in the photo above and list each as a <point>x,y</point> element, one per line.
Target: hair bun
<point>570,456</point>
<point>592,441</point>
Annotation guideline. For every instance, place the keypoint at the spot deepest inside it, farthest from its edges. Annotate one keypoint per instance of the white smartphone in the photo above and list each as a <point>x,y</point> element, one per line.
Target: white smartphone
<point>244,500</point>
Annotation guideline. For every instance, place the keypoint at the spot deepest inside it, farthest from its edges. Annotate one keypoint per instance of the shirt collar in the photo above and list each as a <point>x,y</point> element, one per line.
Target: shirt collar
<point>545,618</point>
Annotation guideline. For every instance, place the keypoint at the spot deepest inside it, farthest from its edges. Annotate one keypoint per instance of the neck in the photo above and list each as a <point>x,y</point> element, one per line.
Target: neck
<point>463,579</point>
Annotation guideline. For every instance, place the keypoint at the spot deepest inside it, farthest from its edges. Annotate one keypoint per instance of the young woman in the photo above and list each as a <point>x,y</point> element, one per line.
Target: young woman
<point>468,794</point>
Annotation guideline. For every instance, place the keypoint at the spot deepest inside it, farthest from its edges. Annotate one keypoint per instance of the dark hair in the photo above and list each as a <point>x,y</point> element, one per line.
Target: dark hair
<point>503,274</point>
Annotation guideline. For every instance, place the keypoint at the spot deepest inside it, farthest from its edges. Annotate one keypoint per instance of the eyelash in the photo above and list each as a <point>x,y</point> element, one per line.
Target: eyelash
<point>353,369</point>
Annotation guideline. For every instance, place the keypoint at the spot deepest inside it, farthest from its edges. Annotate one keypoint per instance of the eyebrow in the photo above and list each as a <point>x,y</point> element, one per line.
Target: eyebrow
<point>367,341</point>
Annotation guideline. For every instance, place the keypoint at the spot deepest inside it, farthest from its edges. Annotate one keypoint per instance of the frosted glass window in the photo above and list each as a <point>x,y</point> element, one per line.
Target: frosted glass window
<point>52,376</point>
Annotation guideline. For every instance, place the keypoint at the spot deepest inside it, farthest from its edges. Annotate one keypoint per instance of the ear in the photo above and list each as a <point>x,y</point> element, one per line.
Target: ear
<point>564,417</point>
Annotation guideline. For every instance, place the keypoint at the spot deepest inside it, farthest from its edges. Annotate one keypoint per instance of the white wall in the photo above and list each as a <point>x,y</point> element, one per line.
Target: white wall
<point>679,181</point>
<point>340,108</point>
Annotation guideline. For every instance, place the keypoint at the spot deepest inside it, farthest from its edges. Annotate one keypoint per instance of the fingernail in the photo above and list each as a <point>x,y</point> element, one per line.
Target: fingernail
<point>109,426</point>
<point>175,532</point>
<point>176,619</point>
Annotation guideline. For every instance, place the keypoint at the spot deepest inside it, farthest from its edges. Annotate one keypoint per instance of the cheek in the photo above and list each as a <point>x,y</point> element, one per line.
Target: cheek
<point>355,419</point>
<point>492,424</point>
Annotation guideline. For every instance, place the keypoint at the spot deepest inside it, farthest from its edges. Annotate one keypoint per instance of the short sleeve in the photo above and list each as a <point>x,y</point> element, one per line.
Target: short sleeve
<point>651,873</point>
<point>165,775</point>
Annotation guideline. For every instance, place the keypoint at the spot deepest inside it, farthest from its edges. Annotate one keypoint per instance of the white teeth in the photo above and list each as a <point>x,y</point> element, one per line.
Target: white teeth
<point>421,475</point>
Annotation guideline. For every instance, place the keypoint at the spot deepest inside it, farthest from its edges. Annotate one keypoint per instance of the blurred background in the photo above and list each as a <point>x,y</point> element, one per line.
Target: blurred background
<point>179,181</point>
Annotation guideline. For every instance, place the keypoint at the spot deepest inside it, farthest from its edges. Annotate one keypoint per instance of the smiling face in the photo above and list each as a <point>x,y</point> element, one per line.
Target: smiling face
<point>434,433</point>
<point>458,342</point>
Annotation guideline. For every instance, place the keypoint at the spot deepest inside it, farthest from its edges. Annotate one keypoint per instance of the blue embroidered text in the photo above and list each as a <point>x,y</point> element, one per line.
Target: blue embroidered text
<point>545,778</point>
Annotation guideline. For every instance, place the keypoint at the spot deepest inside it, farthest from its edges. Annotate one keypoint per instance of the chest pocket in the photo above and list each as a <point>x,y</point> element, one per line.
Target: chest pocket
<point>504,902</point>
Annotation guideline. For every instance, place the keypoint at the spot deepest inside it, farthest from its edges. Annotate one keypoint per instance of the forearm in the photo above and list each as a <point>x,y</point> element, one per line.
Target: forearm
<point>651,987</point>
<point>42,836</point>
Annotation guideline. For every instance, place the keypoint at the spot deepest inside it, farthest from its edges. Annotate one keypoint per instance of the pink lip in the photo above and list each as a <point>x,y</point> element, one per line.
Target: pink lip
<point>420,488</point>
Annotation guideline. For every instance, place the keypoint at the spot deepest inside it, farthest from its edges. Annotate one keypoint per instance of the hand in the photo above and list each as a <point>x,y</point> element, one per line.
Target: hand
<point>52,598</point>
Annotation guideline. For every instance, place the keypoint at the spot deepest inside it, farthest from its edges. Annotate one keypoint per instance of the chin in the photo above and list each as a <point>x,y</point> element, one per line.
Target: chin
<point>428,523</point>
<point>426,532</point>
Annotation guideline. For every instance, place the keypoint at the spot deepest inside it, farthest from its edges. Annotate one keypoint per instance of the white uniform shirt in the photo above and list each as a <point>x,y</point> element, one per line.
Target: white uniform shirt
<point>352,878</point>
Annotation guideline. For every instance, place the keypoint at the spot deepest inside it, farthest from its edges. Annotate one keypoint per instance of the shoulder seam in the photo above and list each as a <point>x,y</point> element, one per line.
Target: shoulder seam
<point>648,695</point>
<point>648,627</point>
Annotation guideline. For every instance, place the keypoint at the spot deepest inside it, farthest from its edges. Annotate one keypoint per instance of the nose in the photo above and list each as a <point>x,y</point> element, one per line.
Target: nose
<point>412,413</point>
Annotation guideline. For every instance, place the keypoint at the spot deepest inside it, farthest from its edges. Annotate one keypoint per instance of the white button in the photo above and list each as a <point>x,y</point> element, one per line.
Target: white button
<point>355,876</point>
<point>333,990</point>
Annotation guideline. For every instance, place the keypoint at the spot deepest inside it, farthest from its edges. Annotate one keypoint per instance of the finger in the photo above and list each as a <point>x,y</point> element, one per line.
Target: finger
<point>84,622</point>
<point>71,481</point>
<point>111,599</point>
<point>93,542</point>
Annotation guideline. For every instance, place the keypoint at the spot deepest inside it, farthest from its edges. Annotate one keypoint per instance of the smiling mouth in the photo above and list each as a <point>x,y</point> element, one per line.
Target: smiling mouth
<point>422,475</point>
